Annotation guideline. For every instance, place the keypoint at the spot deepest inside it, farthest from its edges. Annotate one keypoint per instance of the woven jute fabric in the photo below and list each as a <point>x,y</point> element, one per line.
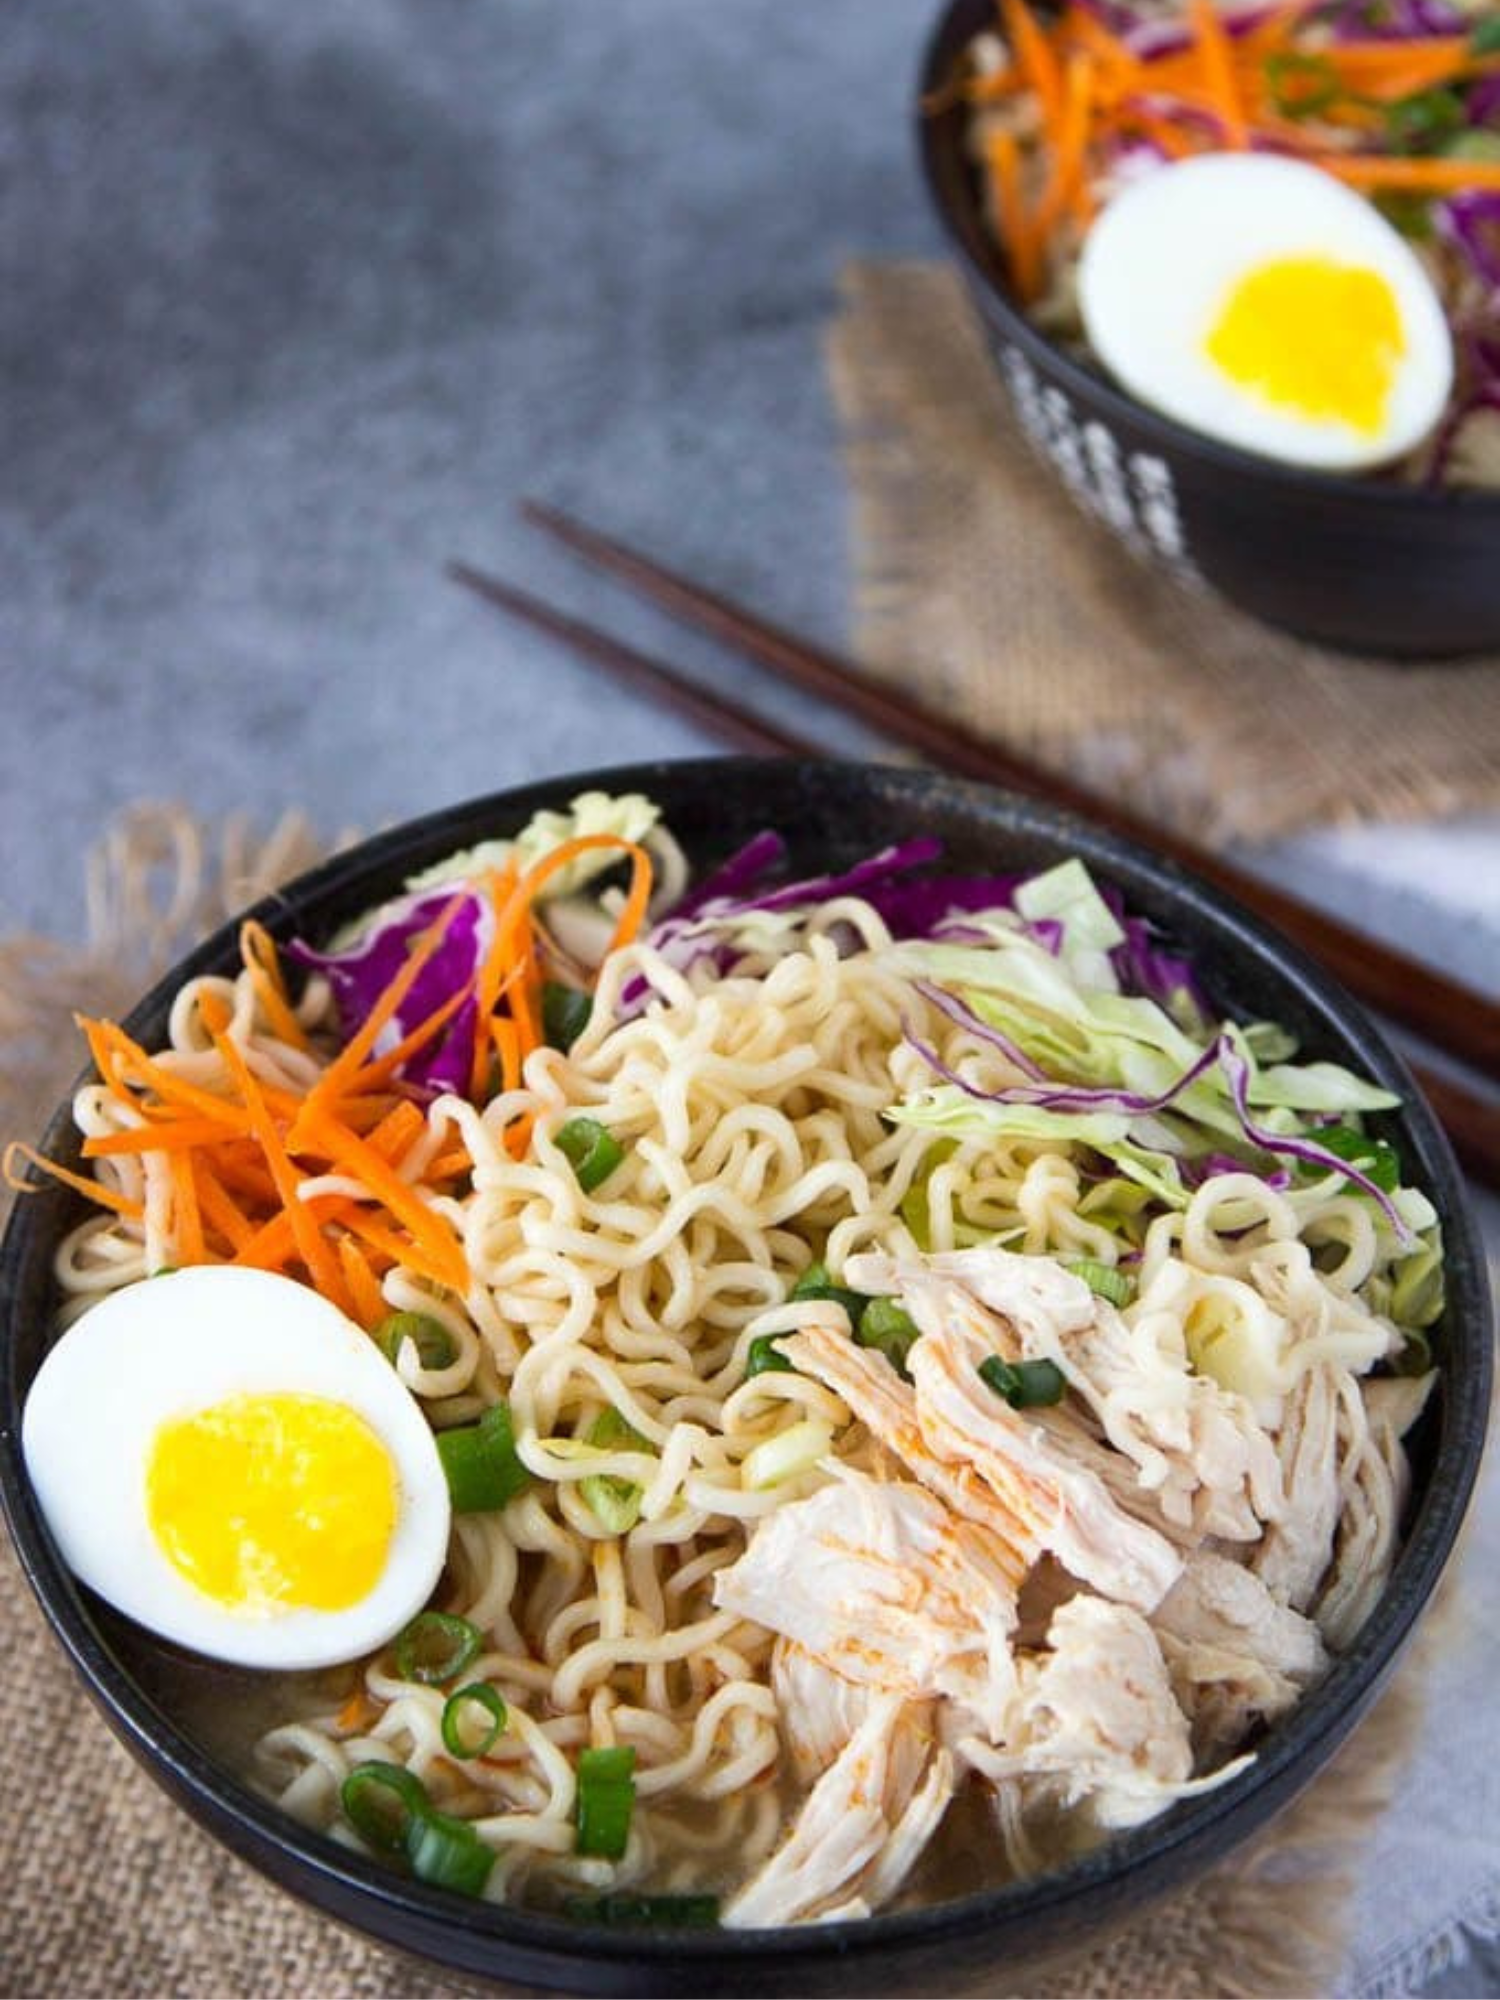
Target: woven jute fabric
<point>982,588</point>
<point>106,1887</point>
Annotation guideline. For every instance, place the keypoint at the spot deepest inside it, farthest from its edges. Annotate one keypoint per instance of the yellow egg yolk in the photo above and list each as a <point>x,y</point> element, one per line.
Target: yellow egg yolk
<point>273,1503</point>
<point>1315,338</point>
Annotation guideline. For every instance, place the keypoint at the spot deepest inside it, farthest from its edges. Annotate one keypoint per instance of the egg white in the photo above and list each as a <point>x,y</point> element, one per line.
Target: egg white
<point>176,1344</point>
<point>1158,264</point>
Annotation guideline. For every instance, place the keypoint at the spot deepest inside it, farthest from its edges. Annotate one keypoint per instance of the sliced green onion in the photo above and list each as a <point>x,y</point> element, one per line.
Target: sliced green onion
<point>1424,120</point>
<point>796,1449</point>
<point>815,1283</point>
<point>435,1646</point>
<point>478,1694</point>
<point>594,1152</point>
<point>624,1910</point>
<point>380,1802</point>
<point>480,1463</point>
<point>764,1357</point>
<point>436,1347</point>
<point>1301,85</point>
<point>1376,1159</point>
<point>1473,144</point>
<point>565,1014</point>
<point>1025,1385</point>
<point>606,1800</point>
<point>1102,1279</point>
<point>887,1326</point>
<point>447,1852</point>
<point>389,1809</point>
<point>614,1502</point>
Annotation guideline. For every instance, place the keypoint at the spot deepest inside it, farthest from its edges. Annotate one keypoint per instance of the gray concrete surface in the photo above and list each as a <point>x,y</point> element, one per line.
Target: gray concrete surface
<point>296,299</point>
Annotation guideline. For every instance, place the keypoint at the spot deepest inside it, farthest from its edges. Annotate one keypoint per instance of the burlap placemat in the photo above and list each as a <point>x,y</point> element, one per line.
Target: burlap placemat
<point>107,1888</point>
<point>981,584</point>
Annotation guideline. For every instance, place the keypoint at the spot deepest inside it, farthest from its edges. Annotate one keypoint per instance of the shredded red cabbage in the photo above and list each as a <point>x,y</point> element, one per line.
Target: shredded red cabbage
<point>965,1018</point>
<point>362,973</point>
<point>1471,222</point>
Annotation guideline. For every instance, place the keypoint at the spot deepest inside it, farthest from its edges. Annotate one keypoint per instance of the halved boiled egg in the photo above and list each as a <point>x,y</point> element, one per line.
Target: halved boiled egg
<point>1261,302</point>
<point>231,1462</point>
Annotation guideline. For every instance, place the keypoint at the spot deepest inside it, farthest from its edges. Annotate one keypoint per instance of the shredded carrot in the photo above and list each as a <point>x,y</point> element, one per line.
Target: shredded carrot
<point>220,1209</point>
<point>175,1136</point>
<point>1034,55</point>
<point>1217,57</point>
<point>187,1223</point>
<point>341,1072</point>
<point>263,963</point>
<point>1020,237</point>
<point>322,1266</point>
<point>364,1286</point>
<point>356,1714</point>
<point>428,1231</point>
<point>401,1250</point>
<point>507,1041</point>
<point>119,1059</point>
<point>106,1197</point>
<point>1425,175</point>
<point>1072,136</point>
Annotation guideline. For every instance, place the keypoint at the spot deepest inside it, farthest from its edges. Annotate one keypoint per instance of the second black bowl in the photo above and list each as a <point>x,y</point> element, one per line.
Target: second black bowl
<point>163,1706</point>
<point>1364,564</point>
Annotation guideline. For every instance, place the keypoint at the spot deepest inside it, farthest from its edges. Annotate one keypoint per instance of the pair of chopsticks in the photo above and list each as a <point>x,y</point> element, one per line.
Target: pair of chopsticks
<point>1464,1024</point>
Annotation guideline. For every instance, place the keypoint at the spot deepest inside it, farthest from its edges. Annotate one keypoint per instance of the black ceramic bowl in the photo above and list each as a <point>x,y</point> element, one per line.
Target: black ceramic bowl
<point>1366,564</point>
<point>831,814</point>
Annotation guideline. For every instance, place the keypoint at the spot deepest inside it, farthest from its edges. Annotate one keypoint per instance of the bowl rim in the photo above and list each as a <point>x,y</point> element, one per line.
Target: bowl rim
<point>1126,1869</point>
<point>945,171</point>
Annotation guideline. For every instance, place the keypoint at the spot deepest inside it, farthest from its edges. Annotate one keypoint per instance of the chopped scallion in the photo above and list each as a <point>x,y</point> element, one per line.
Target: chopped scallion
<point>605,1801</point>
<point>764,1357</point>
<point>380,1801</point>
<point>448,1853</point>
<point>389,1809</point>
<point>614,1502</point>
<point>1104,1280</point>
<point>815,1283</point>
<point>886,1325</point>
<point>478,1694</point>
<point>1025,1385</point>
<point>434,1344</point>
<point>593,1151</point>
<point>480,1462</point>
<point>1376,1159</point>
<point>436,1646</point>
<point>565,1014</point>
<point>1301,85</point>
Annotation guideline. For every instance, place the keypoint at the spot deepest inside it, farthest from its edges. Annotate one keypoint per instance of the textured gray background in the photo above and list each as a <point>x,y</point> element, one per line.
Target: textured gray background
<point>298,296</point>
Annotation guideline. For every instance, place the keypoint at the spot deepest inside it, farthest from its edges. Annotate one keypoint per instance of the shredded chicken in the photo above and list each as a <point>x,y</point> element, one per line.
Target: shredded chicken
<point>1094,1724</point>
<point>1374,1480</point>
<point>818,1708</point>
<point>1058,1504</point>
<point>861,1827</point>
<point>1196,1448</point>
<point>1293,1558</point>
<point>1237,1656</point>
<point>882,1582</point>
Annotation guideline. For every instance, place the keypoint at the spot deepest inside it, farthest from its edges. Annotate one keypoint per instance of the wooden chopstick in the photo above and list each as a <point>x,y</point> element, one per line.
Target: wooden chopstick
<point>637,670</point>
<point>1453,1017</point>
<point>1473,1125</point>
